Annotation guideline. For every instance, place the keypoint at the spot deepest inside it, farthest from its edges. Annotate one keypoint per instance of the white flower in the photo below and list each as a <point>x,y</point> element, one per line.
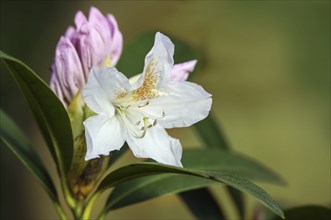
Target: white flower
<point>139,113</point>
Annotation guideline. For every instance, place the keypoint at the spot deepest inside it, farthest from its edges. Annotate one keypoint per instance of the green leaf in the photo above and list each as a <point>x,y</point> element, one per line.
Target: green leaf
<point>49,112</point>
<point>228,161</point>
<point>115,155</point>
<point>134,171</point>
<point>17,142</point>
<point>133,56</point>
<point>211,134</point>
<point>238,200</point>
<point>208,209</point>
<point>209,159</point>
<point>145,188</point>
<point>307,212</point>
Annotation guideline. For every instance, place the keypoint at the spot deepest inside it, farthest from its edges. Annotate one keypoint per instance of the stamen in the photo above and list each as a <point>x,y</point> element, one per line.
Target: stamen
<point>143,105</point>
<point>133,126</point>
<point>145,126</point>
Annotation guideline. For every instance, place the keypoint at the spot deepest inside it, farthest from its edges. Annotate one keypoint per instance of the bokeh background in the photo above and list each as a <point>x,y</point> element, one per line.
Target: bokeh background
<point>267,64</point>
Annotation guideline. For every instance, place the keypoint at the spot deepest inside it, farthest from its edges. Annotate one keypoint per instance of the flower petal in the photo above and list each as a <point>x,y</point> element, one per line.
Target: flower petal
<point>68,69</point>
<point>102,87</point>
<point>158,65</point>
<point>103,134</point>
<point>70,32</point>
<point>184,104</point>
<point>90,47</point>
<point>116,44</point>
<point>100,23</point>
<point>181,71</point>
<point>56,87</point>
<point>80,19</point>
<point>157,145</point>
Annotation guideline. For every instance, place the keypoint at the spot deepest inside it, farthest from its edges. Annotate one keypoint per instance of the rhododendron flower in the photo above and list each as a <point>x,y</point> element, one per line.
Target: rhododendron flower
<point>95,41</point>
<point>139,113</point>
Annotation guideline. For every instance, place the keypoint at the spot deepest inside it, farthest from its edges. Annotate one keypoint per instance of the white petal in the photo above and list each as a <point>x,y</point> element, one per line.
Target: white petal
<point>179,72</point>
<point>157,145</point>
<point>185,104</point>
<point>158,62</point>
<point>134,79</point>
<point>103,134</point>
<point>102,87</point>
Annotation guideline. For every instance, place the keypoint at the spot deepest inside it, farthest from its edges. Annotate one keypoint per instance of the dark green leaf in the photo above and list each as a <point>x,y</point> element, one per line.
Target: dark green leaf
<point>211,134</point>
<point>115,155</point>
<point>133,56</point>
<point>208,209</point>
<point>49,112</point>
<point>16,141</point>
<point>134,171</point>
<point>145,188</point>
<point>308,212</point>
<point>228,161</point>
<point>214,160</point>
<point>238,200</point>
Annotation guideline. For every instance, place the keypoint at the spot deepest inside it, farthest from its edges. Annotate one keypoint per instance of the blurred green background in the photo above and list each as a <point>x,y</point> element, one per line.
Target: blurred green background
<point>267,64</point>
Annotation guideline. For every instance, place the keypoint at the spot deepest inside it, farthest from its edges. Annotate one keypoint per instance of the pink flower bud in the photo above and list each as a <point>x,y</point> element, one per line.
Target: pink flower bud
<point>67,77</point>
<point>95,41</point>
<point>181,71</point>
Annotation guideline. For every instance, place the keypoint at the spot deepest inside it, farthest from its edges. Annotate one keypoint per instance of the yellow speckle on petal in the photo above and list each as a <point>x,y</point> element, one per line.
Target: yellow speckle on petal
<point>121,94</point>
<point>148,89</point>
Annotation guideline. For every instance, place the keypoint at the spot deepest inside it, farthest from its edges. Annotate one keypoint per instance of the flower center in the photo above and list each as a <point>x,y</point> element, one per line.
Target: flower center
<point>129,104</point>
<point>135,123</point>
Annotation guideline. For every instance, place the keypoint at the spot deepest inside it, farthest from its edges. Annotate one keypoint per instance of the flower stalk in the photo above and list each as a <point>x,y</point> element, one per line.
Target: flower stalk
<point>60,211</point>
